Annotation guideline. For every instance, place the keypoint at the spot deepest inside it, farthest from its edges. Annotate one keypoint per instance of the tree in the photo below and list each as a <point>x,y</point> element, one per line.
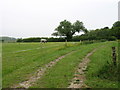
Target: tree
<point>68,30</point>
<point>78,26</point>
<point>19,40</point>
<point>116,29</point>
<point>116,24</point>
<point>116,32</point>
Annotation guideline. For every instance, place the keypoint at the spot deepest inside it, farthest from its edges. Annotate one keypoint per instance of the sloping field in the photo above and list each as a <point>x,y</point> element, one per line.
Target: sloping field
<point>21,61</point>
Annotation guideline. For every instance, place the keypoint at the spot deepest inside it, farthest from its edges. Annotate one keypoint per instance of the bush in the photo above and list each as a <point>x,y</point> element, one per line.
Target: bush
<point>112,38</point>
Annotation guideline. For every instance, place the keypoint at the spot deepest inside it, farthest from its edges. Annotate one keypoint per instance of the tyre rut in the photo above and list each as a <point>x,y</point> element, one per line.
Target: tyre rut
<point>39,73</point>
<point>79,76</point>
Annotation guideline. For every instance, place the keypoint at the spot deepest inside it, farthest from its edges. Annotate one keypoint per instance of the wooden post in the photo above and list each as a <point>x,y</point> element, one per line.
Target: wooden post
<point>114,55</point>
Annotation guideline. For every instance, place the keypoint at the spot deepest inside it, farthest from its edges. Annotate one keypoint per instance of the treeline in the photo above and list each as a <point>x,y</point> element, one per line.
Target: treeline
<point>103,34</point>
<point>100,34</point>
<point>7,39</point>
<point>38,39</point>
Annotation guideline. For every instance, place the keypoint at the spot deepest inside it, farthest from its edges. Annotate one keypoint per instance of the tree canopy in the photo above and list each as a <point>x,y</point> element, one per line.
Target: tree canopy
<point>116,29</point>
<point>116,24</point>
<point>67,29</point>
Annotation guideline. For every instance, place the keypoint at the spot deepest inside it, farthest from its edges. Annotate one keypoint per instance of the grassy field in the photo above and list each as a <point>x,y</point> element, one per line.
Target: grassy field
<point>101,73</point>
<point>61,74</point>
<point>21,60</point>
<point>0,65</point>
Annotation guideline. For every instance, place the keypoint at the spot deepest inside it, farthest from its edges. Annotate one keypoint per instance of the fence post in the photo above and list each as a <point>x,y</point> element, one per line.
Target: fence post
<point>114,55</point>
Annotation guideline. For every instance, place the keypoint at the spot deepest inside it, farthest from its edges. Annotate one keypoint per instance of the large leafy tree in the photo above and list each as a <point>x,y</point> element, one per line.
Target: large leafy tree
<point>68,29</point>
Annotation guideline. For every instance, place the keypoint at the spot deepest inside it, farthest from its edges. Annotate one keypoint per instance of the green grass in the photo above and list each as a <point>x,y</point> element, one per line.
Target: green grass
<point>60,75</point>
<point>19,66</point>
<point>0,65</point>
<point>119,63</point>
<point>21,60</point>
<point>101,73</point>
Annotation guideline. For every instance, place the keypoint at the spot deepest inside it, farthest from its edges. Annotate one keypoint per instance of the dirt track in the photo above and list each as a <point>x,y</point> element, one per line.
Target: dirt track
<point>79,77</point>
<point>38,74</point>
<point>77,81</point>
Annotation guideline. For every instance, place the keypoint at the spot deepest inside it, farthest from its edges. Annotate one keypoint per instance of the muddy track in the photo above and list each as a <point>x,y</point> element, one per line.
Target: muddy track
<point>79,76</point>
<point>39,73</point>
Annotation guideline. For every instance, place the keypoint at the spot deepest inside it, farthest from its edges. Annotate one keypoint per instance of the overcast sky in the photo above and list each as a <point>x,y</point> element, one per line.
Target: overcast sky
<point>37,18</point>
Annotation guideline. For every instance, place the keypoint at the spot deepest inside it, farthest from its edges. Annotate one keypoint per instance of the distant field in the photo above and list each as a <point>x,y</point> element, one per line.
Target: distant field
<point>21,60</point>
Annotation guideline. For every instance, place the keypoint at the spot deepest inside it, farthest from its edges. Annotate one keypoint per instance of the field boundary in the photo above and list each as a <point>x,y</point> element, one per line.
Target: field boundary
<point>39,73</point>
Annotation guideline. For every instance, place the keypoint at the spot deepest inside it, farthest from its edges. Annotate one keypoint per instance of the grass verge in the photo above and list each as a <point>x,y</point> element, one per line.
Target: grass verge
<point>101,73</point>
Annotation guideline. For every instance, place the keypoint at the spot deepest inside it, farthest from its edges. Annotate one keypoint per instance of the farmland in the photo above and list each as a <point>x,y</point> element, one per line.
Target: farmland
<point>20,61</point>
